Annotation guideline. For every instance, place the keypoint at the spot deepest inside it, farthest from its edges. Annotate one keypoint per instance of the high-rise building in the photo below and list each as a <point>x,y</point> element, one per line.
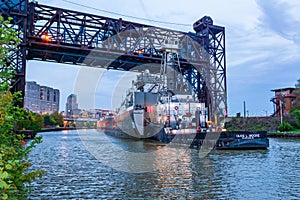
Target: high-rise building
<point>41,99</point>
<point>72,106</point>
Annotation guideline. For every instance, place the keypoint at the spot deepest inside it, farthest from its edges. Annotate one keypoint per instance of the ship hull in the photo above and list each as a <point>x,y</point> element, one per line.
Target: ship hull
<point>130,124</point>
<point>236,140</point>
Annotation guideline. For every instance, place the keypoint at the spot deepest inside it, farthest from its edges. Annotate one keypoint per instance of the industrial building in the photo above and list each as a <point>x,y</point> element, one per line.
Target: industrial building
<point>283,100</point>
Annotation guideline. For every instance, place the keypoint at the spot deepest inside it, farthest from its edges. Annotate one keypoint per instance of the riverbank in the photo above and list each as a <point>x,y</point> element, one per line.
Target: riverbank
<point>284,135</point>
<point>56,129</point>
<point>61,129</point>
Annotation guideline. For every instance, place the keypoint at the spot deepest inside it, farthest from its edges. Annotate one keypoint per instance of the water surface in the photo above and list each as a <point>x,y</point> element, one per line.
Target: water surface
<point>73,172</point>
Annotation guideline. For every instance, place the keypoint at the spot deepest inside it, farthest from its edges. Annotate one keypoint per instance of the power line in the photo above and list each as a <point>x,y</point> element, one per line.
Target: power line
<point>129,16</point>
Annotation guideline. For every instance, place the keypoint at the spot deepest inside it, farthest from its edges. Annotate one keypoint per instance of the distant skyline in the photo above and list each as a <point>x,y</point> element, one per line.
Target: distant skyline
<point>262,48</point>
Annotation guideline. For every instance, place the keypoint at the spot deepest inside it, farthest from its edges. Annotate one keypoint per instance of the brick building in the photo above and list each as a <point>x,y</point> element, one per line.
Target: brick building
<point>283,100</point>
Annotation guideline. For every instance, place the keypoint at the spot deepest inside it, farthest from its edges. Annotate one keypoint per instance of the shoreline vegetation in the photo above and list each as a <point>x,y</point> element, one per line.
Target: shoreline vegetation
<point>284,134</point>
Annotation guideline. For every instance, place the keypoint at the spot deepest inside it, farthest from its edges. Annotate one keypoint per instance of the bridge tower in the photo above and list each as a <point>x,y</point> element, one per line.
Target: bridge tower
<point>18,11</point>
<point>212,38</point>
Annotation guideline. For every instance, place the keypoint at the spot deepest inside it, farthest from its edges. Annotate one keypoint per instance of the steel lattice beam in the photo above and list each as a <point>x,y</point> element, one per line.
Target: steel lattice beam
<point>213,40</point>
<point>17,10</point>
<point>76,34</point>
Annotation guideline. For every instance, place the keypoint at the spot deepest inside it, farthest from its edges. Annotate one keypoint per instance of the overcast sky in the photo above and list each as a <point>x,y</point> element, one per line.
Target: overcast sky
<point>262,47</point>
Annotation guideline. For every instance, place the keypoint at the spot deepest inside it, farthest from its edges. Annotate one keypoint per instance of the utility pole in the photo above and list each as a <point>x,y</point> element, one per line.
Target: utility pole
<point>244,109</point>
<point>281,111</point>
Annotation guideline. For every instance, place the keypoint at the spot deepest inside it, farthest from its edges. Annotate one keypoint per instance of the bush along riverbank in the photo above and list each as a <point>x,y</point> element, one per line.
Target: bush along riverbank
<point>292,134</point>
<point>273,125</point>
<point>16,172</point>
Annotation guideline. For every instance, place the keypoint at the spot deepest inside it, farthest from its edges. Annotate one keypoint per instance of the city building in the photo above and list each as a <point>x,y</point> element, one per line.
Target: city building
<point>72,106</point>
<point>41,99</point>
<point>94,113</point>
<point>283,100</point>
<point>73,110</point>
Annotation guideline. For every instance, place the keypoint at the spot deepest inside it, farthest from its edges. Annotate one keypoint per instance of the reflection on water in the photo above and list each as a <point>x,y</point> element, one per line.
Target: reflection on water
<point>74,173</point>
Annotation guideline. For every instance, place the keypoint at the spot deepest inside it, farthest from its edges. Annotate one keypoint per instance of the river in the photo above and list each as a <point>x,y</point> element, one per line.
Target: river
<point>87,164</point>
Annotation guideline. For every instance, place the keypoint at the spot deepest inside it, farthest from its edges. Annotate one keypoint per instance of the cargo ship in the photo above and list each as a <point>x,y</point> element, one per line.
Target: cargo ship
<point>163,107</point>
<point>148,111</point>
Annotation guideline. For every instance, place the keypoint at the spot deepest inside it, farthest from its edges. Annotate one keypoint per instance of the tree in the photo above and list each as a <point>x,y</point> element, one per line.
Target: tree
<point>296,104</point>
<point>48,120</point>
<point>297,85</point>
<point>296,115</point>
<point>58,118</point>
<point>14,173</point>
<point>38,121</point>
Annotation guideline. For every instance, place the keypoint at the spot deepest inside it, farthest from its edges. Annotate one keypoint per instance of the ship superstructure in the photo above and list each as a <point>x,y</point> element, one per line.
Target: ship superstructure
<point>161,103</point>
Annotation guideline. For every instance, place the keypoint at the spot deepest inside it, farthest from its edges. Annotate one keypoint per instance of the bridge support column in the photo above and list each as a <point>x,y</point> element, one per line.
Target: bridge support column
<point>17,10</point>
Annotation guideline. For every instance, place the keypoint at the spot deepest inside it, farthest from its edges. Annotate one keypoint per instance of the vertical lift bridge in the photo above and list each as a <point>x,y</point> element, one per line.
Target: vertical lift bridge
<point>59,35</point>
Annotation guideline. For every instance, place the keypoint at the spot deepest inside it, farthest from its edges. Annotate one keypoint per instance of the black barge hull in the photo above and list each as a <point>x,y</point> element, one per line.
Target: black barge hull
<point>219,140</point>
<point>235,140</point>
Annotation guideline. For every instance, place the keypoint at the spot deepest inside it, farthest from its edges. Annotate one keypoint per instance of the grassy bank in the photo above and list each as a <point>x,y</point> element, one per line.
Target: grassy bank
<point>295,134</point>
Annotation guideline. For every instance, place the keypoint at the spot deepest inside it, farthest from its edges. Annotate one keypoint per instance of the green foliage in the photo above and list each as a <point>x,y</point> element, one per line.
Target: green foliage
<point>296,103</point>
<point>48,120</point>
<point>37,121</point>
<point>54,119</point>
<point>258,127</point>
<point>8,43</point>
<point>296,114</point>
<point>285,126</point>
<point>14,174</point>
<point>58,118</point>
<point>297,85</point>
<point>32,121</point>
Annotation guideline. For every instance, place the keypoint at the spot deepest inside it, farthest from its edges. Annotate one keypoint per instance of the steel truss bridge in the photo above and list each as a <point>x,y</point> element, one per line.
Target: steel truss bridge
<point>59,35</point>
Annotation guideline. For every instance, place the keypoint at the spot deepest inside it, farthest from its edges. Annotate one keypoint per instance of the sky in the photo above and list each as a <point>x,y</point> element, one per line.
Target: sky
<point>262,49</point>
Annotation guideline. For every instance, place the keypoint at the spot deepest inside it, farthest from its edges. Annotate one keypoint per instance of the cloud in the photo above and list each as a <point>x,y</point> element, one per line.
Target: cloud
<point>262,57</point>
<point>277,17</point>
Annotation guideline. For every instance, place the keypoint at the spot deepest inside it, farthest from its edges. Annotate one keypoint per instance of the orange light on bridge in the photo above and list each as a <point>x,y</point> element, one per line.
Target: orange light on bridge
<point>46,38</point>
<point>140,51</point>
